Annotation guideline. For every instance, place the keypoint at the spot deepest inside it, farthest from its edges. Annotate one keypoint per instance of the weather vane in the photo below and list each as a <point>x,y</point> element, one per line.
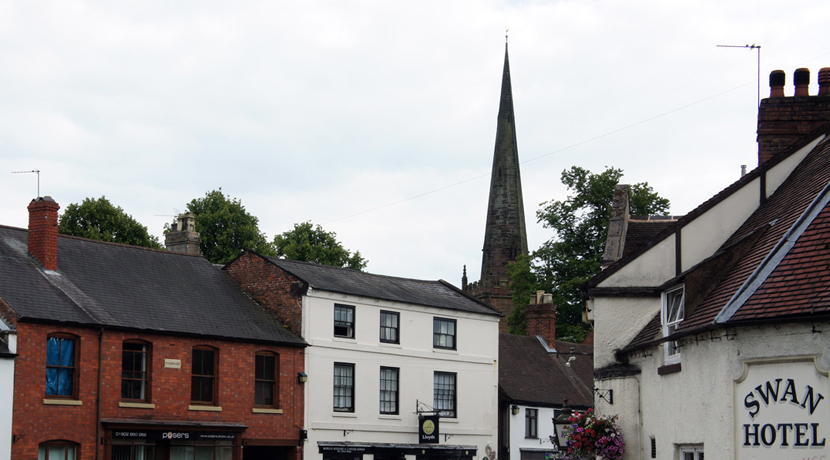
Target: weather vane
<point>36,171</point>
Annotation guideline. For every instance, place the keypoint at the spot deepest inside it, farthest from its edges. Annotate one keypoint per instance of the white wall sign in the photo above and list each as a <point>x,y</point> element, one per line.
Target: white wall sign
<point>782,411</point>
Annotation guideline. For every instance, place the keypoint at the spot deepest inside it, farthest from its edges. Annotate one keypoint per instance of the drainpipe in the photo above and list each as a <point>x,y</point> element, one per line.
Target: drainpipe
<point>98,398</point>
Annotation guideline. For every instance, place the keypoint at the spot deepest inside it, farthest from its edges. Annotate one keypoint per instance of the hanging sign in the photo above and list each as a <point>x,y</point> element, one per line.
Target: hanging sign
<point>782,410</point>
<point>428,429</point>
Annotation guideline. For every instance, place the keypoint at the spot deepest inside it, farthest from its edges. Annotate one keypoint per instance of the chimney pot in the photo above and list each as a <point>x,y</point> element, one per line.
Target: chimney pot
<point>777,80</point>
<point>824,82</point>
<point>802,82</point>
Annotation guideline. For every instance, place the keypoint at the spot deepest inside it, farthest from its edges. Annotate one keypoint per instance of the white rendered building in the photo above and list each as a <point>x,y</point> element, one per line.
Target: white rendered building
<point>383,352</point>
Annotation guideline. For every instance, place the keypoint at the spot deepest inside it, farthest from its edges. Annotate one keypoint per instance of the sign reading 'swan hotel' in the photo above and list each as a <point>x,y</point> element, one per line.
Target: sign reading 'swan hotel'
<point>782,411</point>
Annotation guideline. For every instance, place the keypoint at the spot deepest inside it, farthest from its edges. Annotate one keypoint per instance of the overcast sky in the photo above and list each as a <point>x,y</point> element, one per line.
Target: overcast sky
<point>376,119</point>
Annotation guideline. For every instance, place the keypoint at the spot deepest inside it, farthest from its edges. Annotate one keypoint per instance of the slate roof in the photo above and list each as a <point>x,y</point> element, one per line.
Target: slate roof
<point>438,294</point>
<point>120,286</point>
<point>529,374</point>
<point>783,274</point>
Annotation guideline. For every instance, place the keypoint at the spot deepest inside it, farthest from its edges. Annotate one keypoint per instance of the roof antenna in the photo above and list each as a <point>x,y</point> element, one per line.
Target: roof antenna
<point>36,171</point>
<point>752,46</point>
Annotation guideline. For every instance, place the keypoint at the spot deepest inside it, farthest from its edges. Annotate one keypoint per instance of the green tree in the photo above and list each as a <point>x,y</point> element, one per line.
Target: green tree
<point>226,227</point>
<point>573,254</point>
<point>101,220</point>
<point>313,244</point>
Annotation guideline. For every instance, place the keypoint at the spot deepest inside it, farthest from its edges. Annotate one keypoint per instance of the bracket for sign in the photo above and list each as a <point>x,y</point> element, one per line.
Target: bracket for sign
<point>447,436</point>
<point>347,432</point>
<point>424,408</point>
<point>605,395</point>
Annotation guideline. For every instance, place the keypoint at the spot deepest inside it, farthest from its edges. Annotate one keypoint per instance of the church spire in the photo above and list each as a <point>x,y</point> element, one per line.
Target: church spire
<point>505,235</point>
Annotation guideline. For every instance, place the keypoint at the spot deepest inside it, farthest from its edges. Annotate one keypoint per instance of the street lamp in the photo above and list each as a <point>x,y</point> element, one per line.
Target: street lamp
<point>561,425</point>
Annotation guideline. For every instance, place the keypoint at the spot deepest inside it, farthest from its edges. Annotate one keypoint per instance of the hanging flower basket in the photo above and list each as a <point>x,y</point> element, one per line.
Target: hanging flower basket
<point>590,437</point>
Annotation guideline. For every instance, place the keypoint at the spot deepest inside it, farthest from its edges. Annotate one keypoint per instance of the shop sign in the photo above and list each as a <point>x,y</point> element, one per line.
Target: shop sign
<point>782,411</point>
<point>176,435</point>
<point>428,429</point>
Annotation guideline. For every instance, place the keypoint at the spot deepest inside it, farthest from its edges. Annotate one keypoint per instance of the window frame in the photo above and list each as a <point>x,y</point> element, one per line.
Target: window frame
<point>75,368</point>
<point>147,382</point>
<point>453,396</point>
<point>531,423</point>
<point>350,389</point>
<point>696,451</point>
<point>395,400</point>
<point>350,326</point>
<point>213,378</point>
<point>670,318</point>
<point>437,335</point>
<point>274,382</point>
<point>396,328</point>
<point>58,443</point>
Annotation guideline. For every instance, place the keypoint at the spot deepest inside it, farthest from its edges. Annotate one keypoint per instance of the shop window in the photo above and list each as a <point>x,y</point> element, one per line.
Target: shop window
<point>57,450</point>
<point>61,367</point>
<point>531,423</point>
<point>389,390</point>
<point>672,315</point>
<point>219,450</point>
<point>135,371</point>
<point>444,393</point>
<point>344,321</point>
<point>267,370</point>
<point>133,450</point>
<point>389,321</point>
<point>203,376</point>
<point>443,333</point>
<point>343,387</point>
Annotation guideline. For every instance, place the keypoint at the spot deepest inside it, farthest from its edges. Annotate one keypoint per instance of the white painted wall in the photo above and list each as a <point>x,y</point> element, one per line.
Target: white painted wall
<point>779,173</point>
<point>518,441</point>
<point>7,398</point>
<point>652,268</point>
<point>474,361</point>
<point>697,404</point>
<point>617,320</point>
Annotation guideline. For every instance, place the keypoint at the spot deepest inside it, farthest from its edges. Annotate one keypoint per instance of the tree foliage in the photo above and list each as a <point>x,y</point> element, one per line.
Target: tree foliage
<point>98,219</point>
<point>226,227</point>
<point>572,256</point>
<point>313,244</point>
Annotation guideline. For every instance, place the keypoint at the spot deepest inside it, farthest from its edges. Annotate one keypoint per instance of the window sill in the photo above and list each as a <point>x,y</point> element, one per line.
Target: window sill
<point>137,405</point>
<point>266,410</point>
<point>668,369</point>
<point>449,420</point>
<point>390,344</point>
<point>344,414</point>
<point>205,408</point>
<point>448,351</point>
<point>389,416</point>
<point>63,402</point>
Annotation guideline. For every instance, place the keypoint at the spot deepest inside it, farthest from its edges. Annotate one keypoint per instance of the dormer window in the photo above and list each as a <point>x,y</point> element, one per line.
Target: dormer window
<point>673,313</point>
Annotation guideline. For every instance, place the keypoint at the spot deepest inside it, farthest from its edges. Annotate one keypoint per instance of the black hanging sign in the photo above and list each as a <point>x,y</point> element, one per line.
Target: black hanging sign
<point>428,429</point>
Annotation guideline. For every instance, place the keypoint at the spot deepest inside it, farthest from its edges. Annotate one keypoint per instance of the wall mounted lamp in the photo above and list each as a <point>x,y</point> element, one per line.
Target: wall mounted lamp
<point>514,409</point>
<point>302,377</point>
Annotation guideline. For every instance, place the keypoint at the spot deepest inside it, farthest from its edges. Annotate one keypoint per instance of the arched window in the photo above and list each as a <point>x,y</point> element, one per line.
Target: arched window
<point>203,375</point>
<point>135,370</point>
<point>62,365</point>
<point>57,450</point>
<point>267,384</point>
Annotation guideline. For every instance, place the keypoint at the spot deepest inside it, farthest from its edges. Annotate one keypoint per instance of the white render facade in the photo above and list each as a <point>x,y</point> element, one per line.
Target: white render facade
<point>747,391</point>
<point>522,441</point>
<point>472,364</point>
<point>9,338</point>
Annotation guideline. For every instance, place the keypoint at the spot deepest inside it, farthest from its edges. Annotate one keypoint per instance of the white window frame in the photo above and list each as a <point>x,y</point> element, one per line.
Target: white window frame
<point>670,319</point>
<point>695,451</point>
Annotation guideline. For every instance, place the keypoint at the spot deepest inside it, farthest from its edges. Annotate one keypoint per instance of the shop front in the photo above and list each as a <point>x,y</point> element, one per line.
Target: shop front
<point>391,451</point>
<point>165,441</point>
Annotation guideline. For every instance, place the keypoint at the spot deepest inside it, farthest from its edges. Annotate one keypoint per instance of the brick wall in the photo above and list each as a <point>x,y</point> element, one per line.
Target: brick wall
<point>36,422</point>
<point>271,287</point>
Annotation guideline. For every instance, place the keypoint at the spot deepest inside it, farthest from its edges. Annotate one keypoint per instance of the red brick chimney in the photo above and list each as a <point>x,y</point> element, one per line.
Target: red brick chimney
<point>43,231</point>
<point>783,121</point>
<point>541,317</point>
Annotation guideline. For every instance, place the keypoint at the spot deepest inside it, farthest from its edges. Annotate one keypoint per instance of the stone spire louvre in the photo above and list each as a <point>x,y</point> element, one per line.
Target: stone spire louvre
<point>505,235</point>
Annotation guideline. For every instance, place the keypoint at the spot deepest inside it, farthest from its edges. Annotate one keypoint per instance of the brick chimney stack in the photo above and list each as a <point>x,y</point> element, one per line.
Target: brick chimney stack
<point>43,231</point>
<point>783,121</point>
<point>183,236</point>
<point>541,317</point>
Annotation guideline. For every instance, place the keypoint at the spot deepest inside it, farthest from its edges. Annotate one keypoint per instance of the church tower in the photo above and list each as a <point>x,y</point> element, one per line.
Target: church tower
<point>505,235</point>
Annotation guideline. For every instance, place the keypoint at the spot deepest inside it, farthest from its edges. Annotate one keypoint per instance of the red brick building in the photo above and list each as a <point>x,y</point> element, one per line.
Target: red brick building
<point>134,353</point>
